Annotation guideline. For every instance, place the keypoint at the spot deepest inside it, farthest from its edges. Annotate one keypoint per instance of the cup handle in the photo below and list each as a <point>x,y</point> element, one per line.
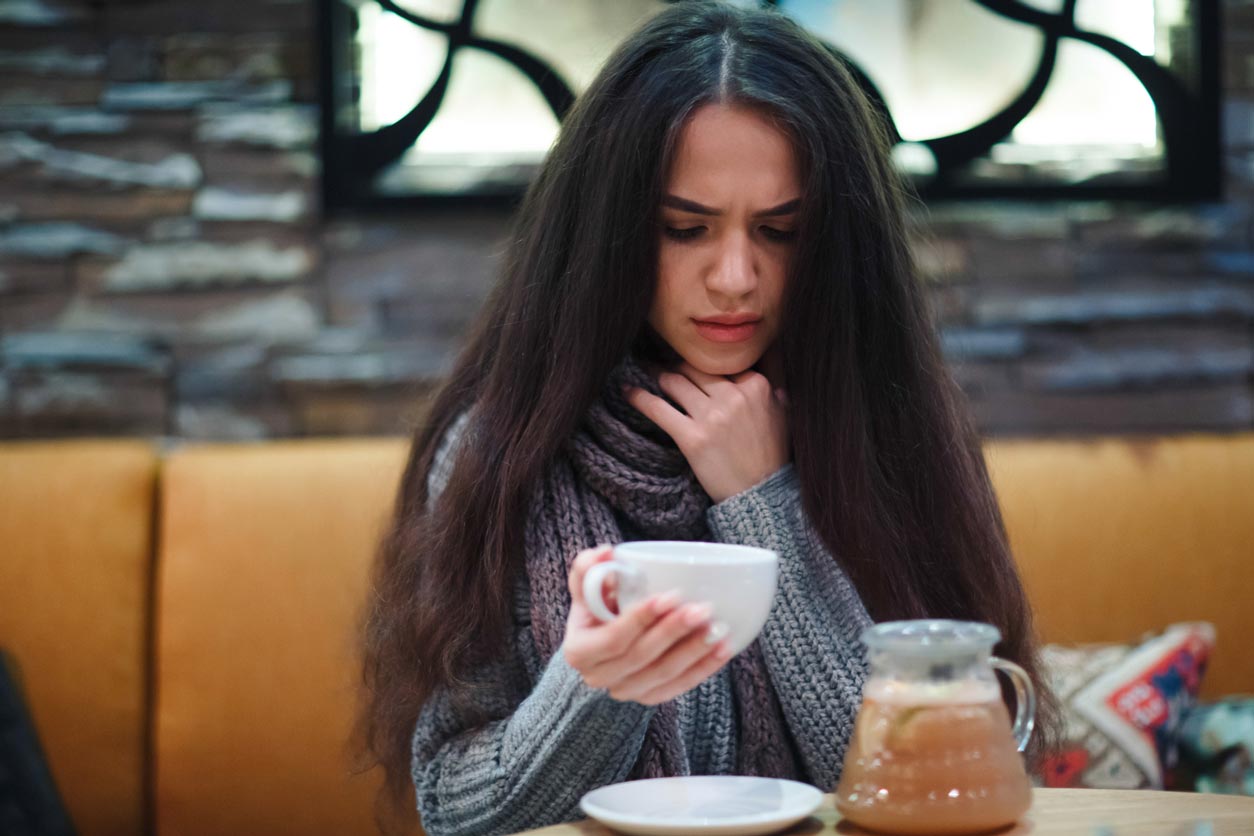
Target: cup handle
<point>594,581</point>
<point>1025,700</point>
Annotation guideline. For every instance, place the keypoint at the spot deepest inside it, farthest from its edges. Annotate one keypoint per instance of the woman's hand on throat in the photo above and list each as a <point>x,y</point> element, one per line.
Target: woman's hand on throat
<point>735,432</point>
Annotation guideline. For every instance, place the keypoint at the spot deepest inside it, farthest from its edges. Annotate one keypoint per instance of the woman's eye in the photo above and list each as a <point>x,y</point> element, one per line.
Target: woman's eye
<point>778,234</point>
<point>684,234</point>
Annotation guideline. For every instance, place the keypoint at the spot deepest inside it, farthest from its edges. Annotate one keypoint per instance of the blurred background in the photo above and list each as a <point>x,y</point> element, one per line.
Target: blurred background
<point>248,219</point>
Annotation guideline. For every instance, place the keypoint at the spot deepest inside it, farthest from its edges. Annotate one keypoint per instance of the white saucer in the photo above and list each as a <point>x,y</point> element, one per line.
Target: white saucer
<point>702,805</point>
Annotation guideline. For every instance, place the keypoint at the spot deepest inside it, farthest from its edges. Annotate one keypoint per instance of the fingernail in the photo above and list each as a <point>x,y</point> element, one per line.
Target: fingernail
<point>666,602</point>
<point>697,613</point>
<point>723,651</point>
<point>718,630</point>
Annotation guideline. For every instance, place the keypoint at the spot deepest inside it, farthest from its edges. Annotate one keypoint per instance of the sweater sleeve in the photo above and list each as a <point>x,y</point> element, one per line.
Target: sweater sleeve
<point>513,755</point>
<point>811,640</point>
<point>530,768</point>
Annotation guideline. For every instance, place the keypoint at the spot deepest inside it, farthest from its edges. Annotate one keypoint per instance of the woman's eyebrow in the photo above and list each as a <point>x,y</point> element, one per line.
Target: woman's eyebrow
<point>676,202</point>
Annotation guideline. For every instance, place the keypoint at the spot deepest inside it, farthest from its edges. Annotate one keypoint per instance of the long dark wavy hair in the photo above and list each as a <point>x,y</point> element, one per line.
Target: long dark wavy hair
<point>891,471</point>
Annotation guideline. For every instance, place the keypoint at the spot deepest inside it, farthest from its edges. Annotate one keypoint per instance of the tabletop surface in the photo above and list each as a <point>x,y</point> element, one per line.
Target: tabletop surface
<point>1069,812</point>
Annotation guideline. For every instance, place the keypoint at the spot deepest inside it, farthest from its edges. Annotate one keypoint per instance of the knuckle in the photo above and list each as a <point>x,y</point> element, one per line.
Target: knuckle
<point>676,686</point>
<point>642,624</point>
<point>642,614</point>
<point>697,673</point>
<point>636,656</point>
<point>671,668</point>
<point>617,643</point>
<point>672,627</point>
<point>685,633</point>
<point>623,693</point>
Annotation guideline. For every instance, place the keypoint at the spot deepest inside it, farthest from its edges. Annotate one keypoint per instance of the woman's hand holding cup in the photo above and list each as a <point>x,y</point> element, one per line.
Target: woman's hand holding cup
<point>655,650</point>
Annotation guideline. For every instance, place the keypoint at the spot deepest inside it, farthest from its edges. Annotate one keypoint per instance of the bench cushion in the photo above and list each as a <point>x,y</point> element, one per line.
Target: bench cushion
<point>75,575</point>
<point>1116,538</point>
<point>264,561</point>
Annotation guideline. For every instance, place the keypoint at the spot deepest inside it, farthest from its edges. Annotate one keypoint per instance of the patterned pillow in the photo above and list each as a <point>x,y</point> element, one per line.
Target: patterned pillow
<point>1123,706</point>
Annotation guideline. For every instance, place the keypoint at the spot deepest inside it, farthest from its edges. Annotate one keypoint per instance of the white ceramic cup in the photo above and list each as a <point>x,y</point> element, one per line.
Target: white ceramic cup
<point>738,582</point>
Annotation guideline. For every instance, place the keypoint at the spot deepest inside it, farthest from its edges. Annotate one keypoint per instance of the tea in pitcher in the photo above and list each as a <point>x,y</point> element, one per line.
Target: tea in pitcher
<point>933,749</point>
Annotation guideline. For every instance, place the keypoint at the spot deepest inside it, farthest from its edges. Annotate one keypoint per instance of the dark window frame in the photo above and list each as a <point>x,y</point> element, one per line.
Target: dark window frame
<point>1191,122</point>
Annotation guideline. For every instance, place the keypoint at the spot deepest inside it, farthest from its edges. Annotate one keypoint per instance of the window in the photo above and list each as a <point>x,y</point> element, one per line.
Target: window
<point>439,100</point>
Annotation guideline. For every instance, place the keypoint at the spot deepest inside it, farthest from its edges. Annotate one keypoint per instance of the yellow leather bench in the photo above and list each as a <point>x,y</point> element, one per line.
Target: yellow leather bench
<point>76,559</point>
<point>262,565</point>
<point>265,553</point>
<point>1118,537</point>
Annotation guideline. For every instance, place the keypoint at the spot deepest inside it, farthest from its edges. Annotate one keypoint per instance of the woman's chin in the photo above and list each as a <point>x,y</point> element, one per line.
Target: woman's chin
<point>726,365</point>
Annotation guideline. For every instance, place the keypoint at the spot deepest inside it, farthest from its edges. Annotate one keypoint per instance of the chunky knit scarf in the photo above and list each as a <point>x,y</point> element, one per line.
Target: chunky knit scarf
<point>619,471</point>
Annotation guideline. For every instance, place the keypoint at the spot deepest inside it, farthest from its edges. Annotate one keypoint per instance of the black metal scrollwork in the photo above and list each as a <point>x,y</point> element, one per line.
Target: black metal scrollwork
<point>1176,109</point>
<point>1189,121</point>
<point>364,155</point>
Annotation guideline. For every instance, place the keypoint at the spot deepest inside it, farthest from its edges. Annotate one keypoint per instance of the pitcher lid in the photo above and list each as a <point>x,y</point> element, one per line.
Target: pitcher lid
<point>927,637</point>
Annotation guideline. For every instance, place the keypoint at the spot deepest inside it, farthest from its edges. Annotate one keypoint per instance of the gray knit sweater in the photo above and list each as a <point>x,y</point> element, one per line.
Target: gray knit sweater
<point>553,738</point>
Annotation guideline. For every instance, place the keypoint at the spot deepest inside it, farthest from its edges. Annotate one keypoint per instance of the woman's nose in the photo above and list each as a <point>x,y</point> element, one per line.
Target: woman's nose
<point>734,273</point>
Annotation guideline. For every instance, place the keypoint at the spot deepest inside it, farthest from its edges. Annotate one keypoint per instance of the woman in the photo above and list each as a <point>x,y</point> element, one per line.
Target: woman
<point>708,327</point>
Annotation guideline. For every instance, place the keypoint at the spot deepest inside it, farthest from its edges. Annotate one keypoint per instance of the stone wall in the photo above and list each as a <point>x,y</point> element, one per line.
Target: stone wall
<point>164,270</point>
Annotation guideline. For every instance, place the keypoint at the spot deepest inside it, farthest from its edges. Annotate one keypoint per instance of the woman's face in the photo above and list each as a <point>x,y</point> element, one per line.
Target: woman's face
<point>727,225</point>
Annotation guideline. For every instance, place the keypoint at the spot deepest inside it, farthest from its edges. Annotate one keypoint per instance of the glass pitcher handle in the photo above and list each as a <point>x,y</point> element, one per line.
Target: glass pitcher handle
<point>1025,700</point>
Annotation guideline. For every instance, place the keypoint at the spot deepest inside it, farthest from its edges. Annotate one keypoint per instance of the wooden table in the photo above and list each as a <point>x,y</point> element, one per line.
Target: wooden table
<point>1064,813</point>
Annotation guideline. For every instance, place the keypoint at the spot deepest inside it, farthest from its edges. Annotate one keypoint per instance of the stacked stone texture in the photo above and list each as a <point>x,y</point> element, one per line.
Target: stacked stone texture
<point>165,269</point>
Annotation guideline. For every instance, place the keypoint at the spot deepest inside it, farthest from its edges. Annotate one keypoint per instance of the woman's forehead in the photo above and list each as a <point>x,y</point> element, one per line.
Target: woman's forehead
<point>725,151</point>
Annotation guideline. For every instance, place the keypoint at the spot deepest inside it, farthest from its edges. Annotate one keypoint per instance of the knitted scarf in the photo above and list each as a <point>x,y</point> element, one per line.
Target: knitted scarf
<point>620,471</point>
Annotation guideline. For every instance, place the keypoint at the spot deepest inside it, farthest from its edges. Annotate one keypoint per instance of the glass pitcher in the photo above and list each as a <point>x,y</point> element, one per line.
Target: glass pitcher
<point>933,748</point>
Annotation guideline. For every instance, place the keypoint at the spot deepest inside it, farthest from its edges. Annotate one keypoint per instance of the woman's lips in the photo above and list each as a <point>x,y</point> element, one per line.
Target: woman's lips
<point>719,332</point>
